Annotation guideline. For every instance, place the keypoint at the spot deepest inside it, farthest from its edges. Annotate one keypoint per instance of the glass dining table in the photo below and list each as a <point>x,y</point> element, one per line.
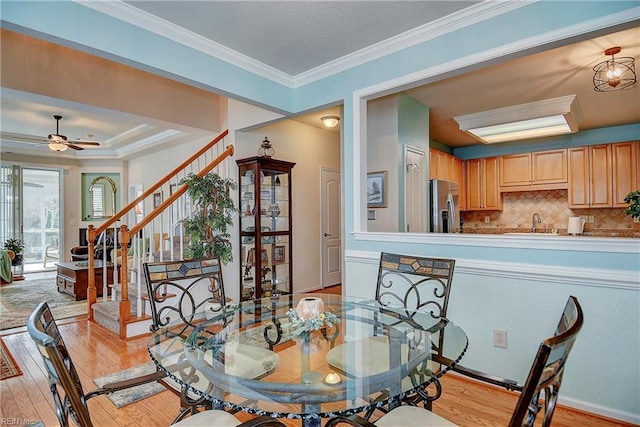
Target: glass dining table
<point>278,357</point>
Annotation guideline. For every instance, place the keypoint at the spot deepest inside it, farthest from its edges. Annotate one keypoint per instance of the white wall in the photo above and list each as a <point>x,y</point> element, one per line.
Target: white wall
<point>382,155</point>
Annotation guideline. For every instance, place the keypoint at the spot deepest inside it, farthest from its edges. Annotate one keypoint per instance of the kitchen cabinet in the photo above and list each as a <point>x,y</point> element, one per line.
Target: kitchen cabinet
<point>266,251</point>
<point>540,170</point>
<point>590,177</point>
<point>449,168</point>
<point>625,169</point>
<point>482,179</point>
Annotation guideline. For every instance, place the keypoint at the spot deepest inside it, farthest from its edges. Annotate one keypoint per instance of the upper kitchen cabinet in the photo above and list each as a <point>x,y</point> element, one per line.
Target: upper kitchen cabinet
<point>541,170</point>
<point>444,166</point>
<point>625,171</point>
<point>601,176</point>
<point>590,177</point>
<point>482,176</point>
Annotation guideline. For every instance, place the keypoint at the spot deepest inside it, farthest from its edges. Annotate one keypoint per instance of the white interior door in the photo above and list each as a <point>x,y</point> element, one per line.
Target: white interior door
<point>415,190</point>
<point>331,251</point>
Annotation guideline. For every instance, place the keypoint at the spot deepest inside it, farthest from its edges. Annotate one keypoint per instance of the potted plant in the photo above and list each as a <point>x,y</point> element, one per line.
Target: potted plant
<point>633,199</point>
<point>17,246</point>
<point>213,214</point>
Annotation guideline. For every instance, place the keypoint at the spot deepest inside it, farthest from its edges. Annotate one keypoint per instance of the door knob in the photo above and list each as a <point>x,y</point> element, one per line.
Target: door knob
<point>327,235</point>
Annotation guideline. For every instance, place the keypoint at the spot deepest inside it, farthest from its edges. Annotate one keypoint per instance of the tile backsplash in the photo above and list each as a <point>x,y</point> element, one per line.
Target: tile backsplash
<point>552,206</point>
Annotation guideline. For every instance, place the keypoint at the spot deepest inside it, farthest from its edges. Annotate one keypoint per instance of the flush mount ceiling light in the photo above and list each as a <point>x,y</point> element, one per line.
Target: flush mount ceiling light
<point>330,121</point>
<point>614,73</point>
<point>539,119</point>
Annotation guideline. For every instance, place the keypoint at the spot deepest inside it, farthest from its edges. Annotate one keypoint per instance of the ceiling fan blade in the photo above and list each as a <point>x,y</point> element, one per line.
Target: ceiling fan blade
<point>75,147</point>
<point>83,142</point>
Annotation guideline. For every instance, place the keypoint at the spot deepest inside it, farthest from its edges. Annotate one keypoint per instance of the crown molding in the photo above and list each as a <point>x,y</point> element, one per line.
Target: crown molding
<point>139,18</point>
<point>469,16</point>
<point>431,30</point>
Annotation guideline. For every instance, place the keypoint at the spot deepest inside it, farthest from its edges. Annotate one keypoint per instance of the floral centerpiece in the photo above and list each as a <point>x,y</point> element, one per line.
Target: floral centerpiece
<point>309,315</point>
<point>633,199</point>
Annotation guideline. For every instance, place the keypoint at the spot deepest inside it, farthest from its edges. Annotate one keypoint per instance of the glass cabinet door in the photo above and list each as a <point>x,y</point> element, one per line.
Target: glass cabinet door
<point>265,220</point>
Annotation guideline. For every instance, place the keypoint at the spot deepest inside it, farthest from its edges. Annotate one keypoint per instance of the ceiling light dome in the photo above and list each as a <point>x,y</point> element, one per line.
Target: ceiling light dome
<point>330,121</point>
<point>57,146</point>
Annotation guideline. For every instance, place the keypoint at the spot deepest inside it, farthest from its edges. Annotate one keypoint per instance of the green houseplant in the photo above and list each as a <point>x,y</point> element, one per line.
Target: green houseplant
<point>17,246</point>
<point>633,199</point>
<point>213,214</point>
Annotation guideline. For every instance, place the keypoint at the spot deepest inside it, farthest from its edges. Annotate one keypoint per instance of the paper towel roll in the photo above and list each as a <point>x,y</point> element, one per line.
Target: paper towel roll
<point>575,225</point>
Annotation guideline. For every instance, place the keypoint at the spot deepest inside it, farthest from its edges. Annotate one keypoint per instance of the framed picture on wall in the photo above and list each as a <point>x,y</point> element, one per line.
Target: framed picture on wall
<point>377,189</point>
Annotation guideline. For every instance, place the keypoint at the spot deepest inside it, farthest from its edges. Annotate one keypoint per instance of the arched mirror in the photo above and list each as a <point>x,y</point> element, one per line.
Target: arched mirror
<point>100,196</point>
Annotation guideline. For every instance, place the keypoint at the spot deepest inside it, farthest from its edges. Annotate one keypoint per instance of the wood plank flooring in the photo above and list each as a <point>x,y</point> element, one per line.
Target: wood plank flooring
<point>97,351</point>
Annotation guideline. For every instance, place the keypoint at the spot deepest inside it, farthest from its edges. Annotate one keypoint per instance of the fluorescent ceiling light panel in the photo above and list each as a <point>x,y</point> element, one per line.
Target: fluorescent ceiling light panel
<point>540,119</point>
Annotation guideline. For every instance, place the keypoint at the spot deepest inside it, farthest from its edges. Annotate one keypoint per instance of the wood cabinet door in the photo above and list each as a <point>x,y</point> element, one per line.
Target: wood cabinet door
<point>578,177</point>
<point>549,167</point>
<point>433,163</point>
<point>515,169</point>
<point>474,187</point>
<point>492,199</point>
<point>601,187</point>
<point>624,171</point>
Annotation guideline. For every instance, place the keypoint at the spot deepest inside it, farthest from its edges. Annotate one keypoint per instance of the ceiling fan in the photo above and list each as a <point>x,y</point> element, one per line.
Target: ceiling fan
<point>55,141</point>
<point>58,142</point>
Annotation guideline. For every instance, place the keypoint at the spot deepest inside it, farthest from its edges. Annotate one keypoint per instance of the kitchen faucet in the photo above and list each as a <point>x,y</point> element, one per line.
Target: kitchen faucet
<point>533,222</point>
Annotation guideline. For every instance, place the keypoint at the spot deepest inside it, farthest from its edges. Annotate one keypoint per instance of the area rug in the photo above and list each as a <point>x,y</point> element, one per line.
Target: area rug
<point>133,394</point>
<point>8,366</point>
<point>19,299</point>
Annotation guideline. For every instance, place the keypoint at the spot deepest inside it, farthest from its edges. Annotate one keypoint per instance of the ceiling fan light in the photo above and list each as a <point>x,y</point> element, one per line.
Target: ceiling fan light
<point>330,121</point>
<point>58,146</point>
<point>54,137</point>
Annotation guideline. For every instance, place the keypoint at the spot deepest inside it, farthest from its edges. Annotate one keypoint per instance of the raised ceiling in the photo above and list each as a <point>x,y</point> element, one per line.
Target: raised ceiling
<point>297,38</point>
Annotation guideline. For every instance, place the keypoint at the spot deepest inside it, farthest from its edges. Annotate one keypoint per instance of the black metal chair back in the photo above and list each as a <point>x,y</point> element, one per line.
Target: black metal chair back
<point>183,289</point>
<point>64,382</point>
<point>415,283</point>
<point>545,377</point>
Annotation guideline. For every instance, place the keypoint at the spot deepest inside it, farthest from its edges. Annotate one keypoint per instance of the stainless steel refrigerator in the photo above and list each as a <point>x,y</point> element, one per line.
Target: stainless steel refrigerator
<point>445,207</point>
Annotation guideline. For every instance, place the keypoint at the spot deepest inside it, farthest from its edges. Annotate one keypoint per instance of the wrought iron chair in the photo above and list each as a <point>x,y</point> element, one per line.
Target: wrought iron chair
<point>539,392</point>
<point>411,285</point>
<point>69,397</point>
<point>185,293</point>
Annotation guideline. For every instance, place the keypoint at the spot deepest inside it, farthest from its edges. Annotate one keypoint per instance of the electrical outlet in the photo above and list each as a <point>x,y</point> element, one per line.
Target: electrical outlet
<point>487,219</point>
<point>591,219</point>
<point>500,338</point>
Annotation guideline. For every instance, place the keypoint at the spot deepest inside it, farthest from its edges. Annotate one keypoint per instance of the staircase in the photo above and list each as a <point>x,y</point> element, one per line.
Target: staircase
<point>158,236</point>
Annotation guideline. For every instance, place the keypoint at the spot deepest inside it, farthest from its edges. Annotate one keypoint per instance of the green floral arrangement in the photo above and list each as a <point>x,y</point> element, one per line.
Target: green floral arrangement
<point>15,245</point>
<point>634,208</point>
<point>300,325</point>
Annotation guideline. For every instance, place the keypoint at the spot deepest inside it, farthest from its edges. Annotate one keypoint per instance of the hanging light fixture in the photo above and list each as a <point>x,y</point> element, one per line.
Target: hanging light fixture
<point>330,121</point>
<point>614,73</point>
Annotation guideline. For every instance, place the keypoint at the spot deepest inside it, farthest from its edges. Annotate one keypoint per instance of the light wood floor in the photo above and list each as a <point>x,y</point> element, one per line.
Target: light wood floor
<point>97,351</point>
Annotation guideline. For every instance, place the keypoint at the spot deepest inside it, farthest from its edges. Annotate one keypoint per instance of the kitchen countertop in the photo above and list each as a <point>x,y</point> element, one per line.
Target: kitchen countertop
<point>623,232</point>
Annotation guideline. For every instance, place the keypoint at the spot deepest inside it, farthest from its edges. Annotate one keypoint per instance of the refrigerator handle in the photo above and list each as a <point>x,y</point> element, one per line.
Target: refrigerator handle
<point>452,213</point>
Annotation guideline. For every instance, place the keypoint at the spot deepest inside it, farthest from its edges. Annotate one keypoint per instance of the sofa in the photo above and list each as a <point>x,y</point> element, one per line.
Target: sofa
<point>103,242</point>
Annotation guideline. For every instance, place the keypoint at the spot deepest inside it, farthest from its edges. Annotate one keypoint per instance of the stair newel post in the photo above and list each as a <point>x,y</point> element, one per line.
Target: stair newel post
<point>125,304</point>
<point>91,287</point>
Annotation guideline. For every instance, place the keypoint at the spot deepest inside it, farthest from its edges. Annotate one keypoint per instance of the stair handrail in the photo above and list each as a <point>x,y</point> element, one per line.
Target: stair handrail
<point>92,231</point>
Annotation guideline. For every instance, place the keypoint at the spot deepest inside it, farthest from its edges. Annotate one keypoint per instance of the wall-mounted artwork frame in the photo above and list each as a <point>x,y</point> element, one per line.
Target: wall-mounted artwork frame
<point>377,189</point>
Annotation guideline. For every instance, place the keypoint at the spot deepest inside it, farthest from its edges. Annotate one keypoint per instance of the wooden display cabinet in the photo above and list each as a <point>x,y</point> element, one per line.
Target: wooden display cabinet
<point>266,244</point>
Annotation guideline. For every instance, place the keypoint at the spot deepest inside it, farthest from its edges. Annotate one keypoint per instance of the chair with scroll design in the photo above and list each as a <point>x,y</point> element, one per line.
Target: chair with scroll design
<point>183,294</point>
<point>411,285</point>
<point>69,397</point>
<point>539,392</point>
